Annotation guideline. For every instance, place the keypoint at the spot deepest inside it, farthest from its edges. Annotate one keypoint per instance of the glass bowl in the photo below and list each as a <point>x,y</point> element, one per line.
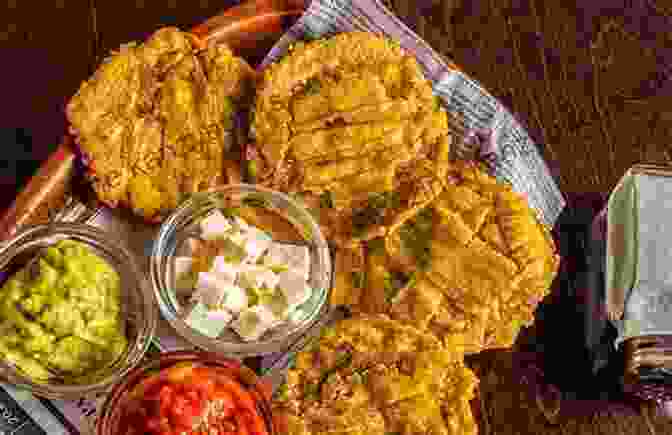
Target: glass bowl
<point>137,305</point>
<point>107,422</point>
<point>185,220</point>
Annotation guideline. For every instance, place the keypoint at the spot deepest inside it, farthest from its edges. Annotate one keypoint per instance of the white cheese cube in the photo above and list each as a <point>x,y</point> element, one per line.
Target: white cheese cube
<point>253,242</point>
<point>226,271</point>
<point>257,243</point>
<point>257,277</point>
<point>290,257</point>
<point>216,293</point>
<point>235,299</point>
<point>215,226</point>
<point>238,238</point>
<point>254,322</point>
<point>210,289</point>
<point>210,323</point>
<point>294,288</point>
<point>241,224</point>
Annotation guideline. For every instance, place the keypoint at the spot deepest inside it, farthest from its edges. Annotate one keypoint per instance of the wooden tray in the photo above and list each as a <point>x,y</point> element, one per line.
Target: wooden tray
<point>249,29</point>
<point>58,191</point>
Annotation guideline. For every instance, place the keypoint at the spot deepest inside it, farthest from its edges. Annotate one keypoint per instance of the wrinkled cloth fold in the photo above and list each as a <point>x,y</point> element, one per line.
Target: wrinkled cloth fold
<point>647,291</point>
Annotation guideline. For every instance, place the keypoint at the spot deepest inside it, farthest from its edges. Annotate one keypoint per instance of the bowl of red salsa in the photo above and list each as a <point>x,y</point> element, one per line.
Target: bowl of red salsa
<point>188,393</point>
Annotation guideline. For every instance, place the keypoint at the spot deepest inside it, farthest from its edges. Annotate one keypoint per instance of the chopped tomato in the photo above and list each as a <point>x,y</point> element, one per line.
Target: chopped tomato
<point>179,406</point>
<point>185,412</point>
<point>159,426</point>
<point>179,372</point>
<point>255,423</point>
<point>191,394</point>
<point>242,425</point>
<point>166,394</point>
<point>226,427</point>
<point>205,385</point>
<point>227,402</point>
<point>242,397</point>
<point>180,395</point>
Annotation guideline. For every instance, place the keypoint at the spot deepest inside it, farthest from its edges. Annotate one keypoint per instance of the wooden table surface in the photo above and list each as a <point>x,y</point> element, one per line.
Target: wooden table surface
<point>591,80</point>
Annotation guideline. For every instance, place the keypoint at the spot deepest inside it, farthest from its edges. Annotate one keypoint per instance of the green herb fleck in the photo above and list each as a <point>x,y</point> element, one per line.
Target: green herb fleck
<point>326,200</point>
<point>343,360</point>
<point>187,280</point>
<point>437,103</point>
<point>312,86</point>
<point>279,269</point>
<point>360,377</point>
<point>312,391</point>
<point>282,394</point>
<point>416,236</point>
<point>390,289</point>
<point>252,171</point>
<point>252,296</point>
<point>393,42</point>
<point>230,212</point>
<point>376,246</point>
<point>395,281</point>
<point>358,279</point>
<point>314,345</point>
<point>375,210</point>
<point>328,332</point>
<point>255,201</point>
<point>412,280</point>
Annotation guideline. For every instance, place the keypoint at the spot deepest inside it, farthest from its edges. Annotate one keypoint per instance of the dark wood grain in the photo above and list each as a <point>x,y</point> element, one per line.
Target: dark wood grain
<point>128,20</point>
<point>591,81</point>
<point>46,49</point>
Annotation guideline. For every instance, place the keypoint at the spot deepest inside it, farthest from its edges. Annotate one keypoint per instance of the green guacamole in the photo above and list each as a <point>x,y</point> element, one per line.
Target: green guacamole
<point>60,316</point>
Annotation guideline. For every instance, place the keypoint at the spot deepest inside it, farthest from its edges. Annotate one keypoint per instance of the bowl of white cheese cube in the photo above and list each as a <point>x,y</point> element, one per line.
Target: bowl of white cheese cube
<point>241,270</point>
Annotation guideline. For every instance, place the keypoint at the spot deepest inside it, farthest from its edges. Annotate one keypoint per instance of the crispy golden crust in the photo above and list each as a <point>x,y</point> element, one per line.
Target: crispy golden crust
<point>383,377</point>
<point>154,121</point>
<point>491,261</point>
<point>360,125</point>
<point>359,135</point>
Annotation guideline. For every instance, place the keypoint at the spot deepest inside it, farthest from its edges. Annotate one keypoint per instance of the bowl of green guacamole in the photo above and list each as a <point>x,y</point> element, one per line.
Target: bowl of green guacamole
<point>76,312</point>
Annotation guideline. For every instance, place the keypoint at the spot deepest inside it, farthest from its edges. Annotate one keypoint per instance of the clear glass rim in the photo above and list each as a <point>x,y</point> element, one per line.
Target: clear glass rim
<point>161,287</point>
<point>105,423</point>
<point>25,240</point>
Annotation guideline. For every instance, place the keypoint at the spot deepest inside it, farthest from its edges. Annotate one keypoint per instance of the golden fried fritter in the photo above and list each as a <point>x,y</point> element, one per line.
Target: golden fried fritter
<point>373,375</point>
<point>490,262</point>
<point>154,121</point>
<point>352,117</point>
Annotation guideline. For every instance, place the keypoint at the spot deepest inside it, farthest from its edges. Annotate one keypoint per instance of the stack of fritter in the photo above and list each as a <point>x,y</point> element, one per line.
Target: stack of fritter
<point>351,122</point>
<point>374,376</point>
<point>154,121</point>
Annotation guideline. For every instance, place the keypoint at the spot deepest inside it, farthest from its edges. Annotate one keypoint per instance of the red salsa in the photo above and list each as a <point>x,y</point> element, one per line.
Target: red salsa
<point>191,399</point>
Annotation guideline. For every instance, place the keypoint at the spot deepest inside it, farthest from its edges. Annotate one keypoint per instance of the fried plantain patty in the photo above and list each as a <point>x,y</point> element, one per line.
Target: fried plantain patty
<point>491,261</point>
<point>373,375</point>
<point>154,121</point>
<point>352,117</point>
